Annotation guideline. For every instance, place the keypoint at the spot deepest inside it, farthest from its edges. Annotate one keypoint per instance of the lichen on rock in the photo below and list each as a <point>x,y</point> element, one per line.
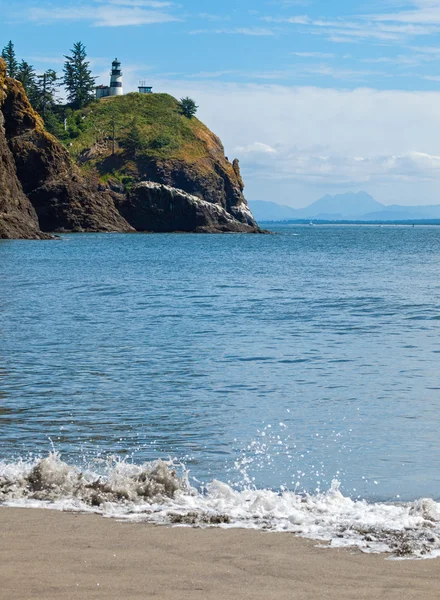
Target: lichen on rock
<point>18,218</point>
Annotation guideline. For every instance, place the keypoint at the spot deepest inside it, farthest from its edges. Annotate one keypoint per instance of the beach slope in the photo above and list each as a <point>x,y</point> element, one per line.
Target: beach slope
<point>52,555</point>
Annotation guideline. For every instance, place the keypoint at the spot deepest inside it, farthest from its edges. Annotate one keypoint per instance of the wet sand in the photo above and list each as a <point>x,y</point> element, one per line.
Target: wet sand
<point>50,555</point>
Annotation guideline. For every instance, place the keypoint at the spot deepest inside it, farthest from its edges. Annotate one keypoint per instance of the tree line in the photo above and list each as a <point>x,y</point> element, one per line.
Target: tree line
<point>42,88</point>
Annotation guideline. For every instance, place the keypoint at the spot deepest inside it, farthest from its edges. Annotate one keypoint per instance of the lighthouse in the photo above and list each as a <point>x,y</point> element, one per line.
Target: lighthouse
<point>116,79</point>
<point>115,87</point>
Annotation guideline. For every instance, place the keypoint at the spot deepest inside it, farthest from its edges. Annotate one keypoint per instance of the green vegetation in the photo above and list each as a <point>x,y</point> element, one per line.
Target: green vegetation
<point>119,135</point>
<point>78,79</point>
<point>46,88</point>
<point>188,107</point>
<point>27,76</point>
<point>41,89</point>
<point>8,54</point>
<point>122,133</point>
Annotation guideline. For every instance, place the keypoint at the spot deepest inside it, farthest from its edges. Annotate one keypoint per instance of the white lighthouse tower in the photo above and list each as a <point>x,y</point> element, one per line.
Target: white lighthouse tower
<point>116,79</point>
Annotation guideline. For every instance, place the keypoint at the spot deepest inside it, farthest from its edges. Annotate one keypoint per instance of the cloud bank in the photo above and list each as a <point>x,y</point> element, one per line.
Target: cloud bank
<point>306,138</point>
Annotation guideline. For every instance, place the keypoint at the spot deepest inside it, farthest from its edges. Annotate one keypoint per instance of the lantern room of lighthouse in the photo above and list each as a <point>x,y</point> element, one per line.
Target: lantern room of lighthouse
<point>116,79</point>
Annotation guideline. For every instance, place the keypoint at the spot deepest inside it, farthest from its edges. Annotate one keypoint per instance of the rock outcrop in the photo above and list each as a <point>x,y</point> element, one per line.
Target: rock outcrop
<point>63,199</point>
<point>150,206</point>
<point>18,218</point>
<point>211,178</point>
<point>172,150</point>
<point>181,180</point>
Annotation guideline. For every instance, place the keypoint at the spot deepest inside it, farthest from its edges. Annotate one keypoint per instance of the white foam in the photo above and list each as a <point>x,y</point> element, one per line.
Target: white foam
<point>154,492</point>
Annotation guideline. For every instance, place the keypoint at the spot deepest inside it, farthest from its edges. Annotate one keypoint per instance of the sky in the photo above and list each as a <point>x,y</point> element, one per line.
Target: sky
<point>312,96</point>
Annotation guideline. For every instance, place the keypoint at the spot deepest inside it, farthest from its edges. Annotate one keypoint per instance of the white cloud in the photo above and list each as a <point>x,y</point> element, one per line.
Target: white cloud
<point>314,54</point>
<point>306,141</point>
<point>408,61</point>
<point>255,149</point>
<point>110,13</point>
<point>253,31</point>
<point>386,28</point>
<point>429,50</point>
<point>308,165</point>
<point>423,11</point>
<point>296,72</point>
<point>137,3</point>
<point>297,20</point>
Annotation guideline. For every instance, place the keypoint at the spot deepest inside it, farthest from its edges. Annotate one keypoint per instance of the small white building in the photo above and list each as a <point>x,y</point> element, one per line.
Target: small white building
<point>115,88</point>
<point>143,88</point>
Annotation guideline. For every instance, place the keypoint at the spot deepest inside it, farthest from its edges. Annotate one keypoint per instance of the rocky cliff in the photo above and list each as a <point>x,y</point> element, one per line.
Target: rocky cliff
<point>64,199</point>
<point>122,147</point>
<point>18,218</point>
<point>134,138</point>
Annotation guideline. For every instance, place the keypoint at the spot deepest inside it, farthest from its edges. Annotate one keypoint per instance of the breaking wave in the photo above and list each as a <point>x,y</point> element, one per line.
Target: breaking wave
<point>160,492</point>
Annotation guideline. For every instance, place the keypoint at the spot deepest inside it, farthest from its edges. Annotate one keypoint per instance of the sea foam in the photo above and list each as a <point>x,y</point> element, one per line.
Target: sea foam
<point>159,492</point>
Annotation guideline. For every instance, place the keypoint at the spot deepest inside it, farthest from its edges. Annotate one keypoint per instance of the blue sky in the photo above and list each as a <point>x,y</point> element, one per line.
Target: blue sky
<point>311,96</point>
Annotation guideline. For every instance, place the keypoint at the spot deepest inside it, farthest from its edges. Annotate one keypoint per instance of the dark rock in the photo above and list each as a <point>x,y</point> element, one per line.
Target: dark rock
<point>212,179</point>
<point>76,206</point>
<point>18,218</point>
<point>64,199</point>
<point>151,206</point>
<point>236,167</point>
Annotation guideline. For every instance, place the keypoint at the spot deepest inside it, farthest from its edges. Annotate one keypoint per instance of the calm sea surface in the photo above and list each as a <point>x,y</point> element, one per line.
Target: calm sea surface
<point>286,360</point>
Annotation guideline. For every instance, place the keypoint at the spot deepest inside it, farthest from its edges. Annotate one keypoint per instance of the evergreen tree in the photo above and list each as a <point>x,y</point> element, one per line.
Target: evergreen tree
<point>133,142</point>
<point>28,78</point>
<point>78,79</point>
<point>188,107</point>
<point>46,89</point>
<point>8,53</point>
<point>54,121</point>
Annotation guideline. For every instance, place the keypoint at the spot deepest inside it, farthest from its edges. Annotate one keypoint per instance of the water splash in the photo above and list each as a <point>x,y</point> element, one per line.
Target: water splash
<point>50,479</point>
<point>156,492</point>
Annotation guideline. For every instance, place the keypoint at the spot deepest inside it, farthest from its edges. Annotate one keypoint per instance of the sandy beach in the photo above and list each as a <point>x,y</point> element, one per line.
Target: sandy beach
<point>47,554</point>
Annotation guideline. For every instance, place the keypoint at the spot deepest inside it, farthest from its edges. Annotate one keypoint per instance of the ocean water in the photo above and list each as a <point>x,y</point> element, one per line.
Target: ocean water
<point>290,381</point>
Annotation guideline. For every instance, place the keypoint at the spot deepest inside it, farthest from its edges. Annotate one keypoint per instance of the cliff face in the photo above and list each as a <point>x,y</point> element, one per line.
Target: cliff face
<point>212,179</point>
<point>64,200</point>
<point>156,207</point>
<point>17,216</point>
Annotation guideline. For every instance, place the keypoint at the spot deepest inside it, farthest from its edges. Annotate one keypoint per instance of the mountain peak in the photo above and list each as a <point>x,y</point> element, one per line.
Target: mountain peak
<point>348,205</point>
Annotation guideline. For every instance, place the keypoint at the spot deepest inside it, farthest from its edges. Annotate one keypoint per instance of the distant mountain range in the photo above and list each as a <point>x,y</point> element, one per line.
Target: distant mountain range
<point>351,206</point>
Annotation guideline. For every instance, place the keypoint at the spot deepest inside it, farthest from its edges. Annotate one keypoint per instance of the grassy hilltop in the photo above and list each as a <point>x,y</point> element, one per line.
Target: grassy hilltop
<point>116,143</point>
<point>153,141</point>
<point>146,128</point>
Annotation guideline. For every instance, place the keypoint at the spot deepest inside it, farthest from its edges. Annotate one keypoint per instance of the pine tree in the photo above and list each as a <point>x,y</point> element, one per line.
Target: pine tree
<point>8,53</point>
<point>28,78</point>
<point>46,89</point>
<point>78,79</point>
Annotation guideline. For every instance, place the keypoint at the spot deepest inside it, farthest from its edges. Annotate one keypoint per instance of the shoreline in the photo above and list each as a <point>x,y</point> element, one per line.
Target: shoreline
<point>46,554</point>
